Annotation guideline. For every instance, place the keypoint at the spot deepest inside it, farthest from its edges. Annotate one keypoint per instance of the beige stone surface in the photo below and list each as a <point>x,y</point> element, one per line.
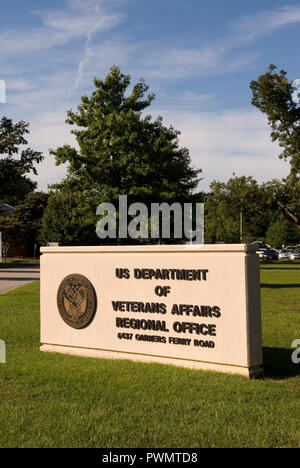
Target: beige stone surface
<point>232,285</point>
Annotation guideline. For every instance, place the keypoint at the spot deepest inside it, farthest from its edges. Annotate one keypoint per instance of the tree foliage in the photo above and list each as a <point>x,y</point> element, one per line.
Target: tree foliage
<point>67,220</point>
<point>285,195</point>
<point>273,95</point>
<point>225,204</point>
<point>123,151</point>
<point>30,213</point>
<point>11,228</point>
<point>16,162</point>
<point>279,233</point>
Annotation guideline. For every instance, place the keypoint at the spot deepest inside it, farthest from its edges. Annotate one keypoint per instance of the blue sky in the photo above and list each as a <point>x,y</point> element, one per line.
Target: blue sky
<point>198,57</point>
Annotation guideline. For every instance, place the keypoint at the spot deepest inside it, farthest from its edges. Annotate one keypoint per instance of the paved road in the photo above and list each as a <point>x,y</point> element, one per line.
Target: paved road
<point>11,278</point>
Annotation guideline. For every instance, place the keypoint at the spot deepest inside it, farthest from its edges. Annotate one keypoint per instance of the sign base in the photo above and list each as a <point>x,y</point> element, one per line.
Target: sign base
<point>254,372</point>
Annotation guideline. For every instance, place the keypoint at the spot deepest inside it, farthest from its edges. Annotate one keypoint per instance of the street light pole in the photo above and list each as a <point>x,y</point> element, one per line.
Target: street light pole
<point>241,227</point>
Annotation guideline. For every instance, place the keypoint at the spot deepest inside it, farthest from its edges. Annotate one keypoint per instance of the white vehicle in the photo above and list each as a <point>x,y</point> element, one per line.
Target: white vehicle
<point>294,255</point>
<point>261,253</point>
<point>284,255</point>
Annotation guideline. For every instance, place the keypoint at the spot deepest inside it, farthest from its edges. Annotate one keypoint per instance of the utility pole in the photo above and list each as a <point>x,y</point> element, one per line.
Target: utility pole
<point>241,227</point>
<point>241,222</point>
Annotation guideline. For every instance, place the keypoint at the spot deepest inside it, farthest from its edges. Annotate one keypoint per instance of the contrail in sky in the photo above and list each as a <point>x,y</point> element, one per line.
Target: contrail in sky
<point>88,50</point>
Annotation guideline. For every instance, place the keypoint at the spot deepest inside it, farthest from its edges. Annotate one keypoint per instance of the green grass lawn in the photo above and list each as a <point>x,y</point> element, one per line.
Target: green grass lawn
<point>50,400</point>
<point>16,262</point>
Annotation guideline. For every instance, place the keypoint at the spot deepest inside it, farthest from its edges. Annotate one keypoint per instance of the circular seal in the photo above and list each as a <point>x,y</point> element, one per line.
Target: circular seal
<point>77,301</point>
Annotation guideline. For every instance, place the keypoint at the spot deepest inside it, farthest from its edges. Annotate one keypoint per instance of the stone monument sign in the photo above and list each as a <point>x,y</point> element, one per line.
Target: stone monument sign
<point>196,306</point>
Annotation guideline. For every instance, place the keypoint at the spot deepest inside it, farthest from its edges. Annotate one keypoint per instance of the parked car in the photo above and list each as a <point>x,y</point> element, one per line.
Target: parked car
<point>272,254</point>
<point>267,254</point>
<point>294,255</point>
<point>283,255</point>
<point>261,254</point>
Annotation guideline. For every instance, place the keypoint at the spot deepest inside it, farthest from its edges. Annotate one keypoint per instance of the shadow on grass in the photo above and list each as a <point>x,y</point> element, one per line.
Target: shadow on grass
<point>279,286</point>
<point>280,268</point>
<point>278,363</point>
<point>280,265</point>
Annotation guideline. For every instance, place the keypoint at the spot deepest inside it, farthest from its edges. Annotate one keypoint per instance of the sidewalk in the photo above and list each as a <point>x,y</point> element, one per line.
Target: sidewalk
<point>11,278</point>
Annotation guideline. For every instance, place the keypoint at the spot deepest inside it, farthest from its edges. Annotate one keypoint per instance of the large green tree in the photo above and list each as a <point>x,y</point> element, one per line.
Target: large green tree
<point>123,151</point>
<point>274,95</point>
<point>16,162</point>
<point>237,210</point>
<point>67,220</point>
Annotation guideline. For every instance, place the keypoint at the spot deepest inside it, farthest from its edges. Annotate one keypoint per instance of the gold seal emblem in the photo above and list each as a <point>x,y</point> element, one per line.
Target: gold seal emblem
<point>77,301</point>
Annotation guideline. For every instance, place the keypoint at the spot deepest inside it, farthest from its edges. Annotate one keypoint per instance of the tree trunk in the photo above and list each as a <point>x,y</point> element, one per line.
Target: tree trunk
<point>290,215</point>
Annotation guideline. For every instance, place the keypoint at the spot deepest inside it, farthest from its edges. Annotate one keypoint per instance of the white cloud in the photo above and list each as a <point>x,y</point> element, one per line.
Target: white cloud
<point>249,28</point>
<point>220,57</point>
<point>58,28</point>
<point>182,63</point>
<point>188,100</point>
<point>231,141</point>
<point>19,84</point>
<point>48,131</point>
